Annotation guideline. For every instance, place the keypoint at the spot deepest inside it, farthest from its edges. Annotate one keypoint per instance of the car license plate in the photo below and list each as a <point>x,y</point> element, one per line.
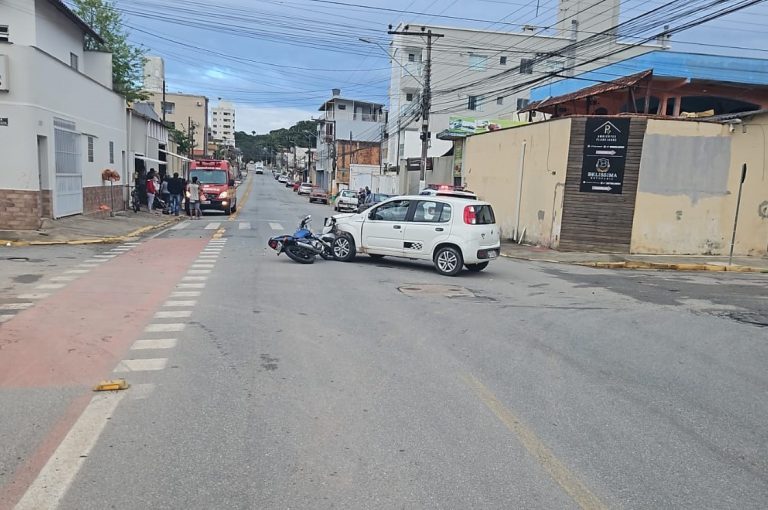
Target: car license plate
<point>205,202</point>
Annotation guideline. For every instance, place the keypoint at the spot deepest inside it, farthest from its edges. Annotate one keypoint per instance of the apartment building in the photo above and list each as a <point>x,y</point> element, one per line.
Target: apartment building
<point>154,73</point>
<point>187,113</point>
<point>223,123</point>
<point>481,74</point>
<point>55,145</point>
<point>350,120</point>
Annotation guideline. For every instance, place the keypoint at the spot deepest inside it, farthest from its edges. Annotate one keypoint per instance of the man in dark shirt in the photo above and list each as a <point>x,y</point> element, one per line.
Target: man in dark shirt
<point>175,188</point>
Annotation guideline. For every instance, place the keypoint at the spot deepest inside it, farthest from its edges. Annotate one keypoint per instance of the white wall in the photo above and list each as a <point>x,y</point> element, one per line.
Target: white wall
<point>19,15</point>
<point>98,65</point>
<point>56,34</point>
<point>35,98</point>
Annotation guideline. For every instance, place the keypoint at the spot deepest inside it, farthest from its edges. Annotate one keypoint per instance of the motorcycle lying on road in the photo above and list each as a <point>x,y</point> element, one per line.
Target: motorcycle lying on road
<point>303,246</point>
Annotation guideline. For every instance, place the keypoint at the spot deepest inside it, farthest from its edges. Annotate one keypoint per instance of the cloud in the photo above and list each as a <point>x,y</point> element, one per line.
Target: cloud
<point>264,120</point>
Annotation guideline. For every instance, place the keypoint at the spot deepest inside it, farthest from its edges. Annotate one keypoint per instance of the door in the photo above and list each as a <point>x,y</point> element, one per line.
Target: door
<point>430,225</point>
<point>384,227</point>
<point>42,175</point>
<point>68,186</point>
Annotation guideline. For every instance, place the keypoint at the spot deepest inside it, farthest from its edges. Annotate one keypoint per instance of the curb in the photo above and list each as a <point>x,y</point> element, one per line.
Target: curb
<point>100,240</point>
<point>662,266</point>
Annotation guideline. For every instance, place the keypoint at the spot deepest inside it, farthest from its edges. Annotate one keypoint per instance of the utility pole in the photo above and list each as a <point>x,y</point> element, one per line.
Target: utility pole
<point>191,133</point>
<point>426,97</point>
<point>163,101</point>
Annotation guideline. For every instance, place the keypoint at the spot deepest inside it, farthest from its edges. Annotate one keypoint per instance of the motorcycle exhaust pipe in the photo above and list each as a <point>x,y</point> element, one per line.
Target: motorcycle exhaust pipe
<point>309,247</point>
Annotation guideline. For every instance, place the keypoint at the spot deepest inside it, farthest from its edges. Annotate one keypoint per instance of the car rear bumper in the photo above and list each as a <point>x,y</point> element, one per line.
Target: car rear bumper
<point>476,253</point>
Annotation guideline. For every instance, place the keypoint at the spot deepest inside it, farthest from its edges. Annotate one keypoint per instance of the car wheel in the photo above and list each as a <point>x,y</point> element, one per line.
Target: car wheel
<point>448,261</point>
<point>344,248</point>
<point>228,211</point>
<point>476,268</point>
<point>234,207</point>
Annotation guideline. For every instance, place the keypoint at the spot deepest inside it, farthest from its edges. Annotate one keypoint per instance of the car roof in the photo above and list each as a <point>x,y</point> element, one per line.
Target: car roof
<point>446,199</point>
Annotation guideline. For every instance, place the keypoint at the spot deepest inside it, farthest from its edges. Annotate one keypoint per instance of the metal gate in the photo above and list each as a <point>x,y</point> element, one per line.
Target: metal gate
<point>68,186</point>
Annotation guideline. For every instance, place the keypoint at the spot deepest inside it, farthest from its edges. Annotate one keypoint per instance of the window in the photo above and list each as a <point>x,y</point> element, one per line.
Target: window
<point>477,62</point>
<point>475,103</point>
<point>3,33</point>
<point>112,152</point>
<point>432,212</point>
<point>73,61</point>
<point>500,100</point>
<point>521,103</point>
<point>411,57</point>
<point>90,149</point>
<point>171,124</point>
<point>409,97</point>
<point>526,66</point>
<point>484,215</point>
<point>391,211</point>
<point>342,107</point>
<point>503,61</point>
<point>169,107</point>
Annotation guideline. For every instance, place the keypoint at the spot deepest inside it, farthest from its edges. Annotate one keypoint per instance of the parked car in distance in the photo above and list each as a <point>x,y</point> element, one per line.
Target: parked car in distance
<point>346,201</point>
<point>449,231</point>
<point>305,188</point>
<point>295,185</point>
<point>282,178</point>
<point>318,194</point>
<point>259,168</point>
<point>373,198</point>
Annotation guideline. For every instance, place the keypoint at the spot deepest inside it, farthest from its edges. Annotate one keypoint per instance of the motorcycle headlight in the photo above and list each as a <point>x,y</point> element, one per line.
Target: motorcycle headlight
<point>223,194</point>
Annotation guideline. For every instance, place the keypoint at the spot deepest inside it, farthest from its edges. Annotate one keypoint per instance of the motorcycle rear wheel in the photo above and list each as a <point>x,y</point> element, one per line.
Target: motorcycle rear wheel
<point>299,255</point>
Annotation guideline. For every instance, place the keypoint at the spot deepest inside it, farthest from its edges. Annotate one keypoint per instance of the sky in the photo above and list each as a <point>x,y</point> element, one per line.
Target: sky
<point>278,60</point>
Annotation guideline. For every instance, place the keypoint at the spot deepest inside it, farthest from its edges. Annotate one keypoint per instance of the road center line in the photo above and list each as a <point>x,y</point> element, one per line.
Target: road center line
<point>537,449</point>
<point>57,475</point>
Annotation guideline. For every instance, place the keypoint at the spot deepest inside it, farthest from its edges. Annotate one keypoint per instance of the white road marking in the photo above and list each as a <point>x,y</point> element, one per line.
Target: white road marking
<point>35,295</point>
<point>141,365</point>
<point>213,249</point>
<point>174,314</point>
<point>46,286</point>
<point>171,304</point>
<point>131,243</point>
<point>185,293</point>
<point>58,473</point>
<point>158,343</point>
<point>165,328</point>
<point>77,271</point>
<point>120,250</point>
<point>194,278</point>
<point>63,278</point>
<point>199,271</point>
<point>203,266</point>
<point>6,317</point>
<point>244,225</point>
<point>212,226</point>
<point>191,286</point>
<point>15,306</point>
<point>180,226</point>
<point>90,266</point>
<point>104,256</point>
<point>95,261</point>
<point>208,256</point>
<point>140,391</point>
<point>275,226</point>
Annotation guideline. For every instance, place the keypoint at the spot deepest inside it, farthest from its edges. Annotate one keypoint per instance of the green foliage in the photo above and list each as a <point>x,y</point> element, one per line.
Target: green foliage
<point>262,147</point>
<point>182,140</point>
<point>127,60</point>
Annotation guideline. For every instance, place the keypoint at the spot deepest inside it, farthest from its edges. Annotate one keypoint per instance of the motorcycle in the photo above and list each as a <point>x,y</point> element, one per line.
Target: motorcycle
<point>303,246</point>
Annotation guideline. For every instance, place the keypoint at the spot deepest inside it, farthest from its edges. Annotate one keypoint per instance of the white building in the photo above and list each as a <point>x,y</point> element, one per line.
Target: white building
<point>223,123</point>
<point>466,67</point>
<point>154,74</point>
<point>344,120</point>
<point>61,124</point>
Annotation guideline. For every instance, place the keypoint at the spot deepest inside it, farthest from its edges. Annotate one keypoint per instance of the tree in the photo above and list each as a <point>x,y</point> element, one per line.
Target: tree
<point>127,60</point>
<point>182,140</point>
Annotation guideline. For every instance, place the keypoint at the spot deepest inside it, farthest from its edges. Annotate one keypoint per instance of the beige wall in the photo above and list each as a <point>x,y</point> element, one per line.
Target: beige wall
<point>185,106</point>
<point>492,170</point>
<point>688,187</point>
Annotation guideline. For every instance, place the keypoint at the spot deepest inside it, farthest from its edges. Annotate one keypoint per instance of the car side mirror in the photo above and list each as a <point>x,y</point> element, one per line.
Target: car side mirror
<point>327,222</point>
<point>231,182</point>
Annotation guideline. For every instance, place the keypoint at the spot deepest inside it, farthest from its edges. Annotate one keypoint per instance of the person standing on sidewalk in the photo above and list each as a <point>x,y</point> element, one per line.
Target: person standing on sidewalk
<point>151,190</point>
<point>175,188</point>
<point>165,193</point>
<point>194,199</point>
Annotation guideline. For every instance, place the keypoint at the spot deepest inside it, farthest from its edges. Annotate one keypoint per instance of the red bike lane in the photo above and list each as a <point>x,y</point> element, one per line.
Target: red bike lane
<point>68,342</point>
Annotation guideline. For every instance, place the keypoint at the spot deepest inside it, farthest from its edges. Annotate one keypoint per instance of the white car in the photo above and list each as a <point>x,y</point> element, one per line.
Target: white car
<point>451,232</point>
<point>259,169</point>
<point>282,179</point>
<point>305,188</point>
<point>346,201</point>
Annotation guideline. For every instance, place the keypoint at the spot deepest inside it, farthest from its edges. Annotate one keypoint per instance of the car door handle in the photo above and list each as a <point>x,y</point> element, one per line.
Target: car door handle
<point>397,227</point>
<point>439,229</point>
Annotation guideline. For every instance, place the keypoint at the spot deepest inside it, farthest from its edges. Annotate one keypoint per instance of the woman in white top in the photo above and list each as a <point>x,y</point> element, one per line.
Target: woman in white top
<point>194,199</point>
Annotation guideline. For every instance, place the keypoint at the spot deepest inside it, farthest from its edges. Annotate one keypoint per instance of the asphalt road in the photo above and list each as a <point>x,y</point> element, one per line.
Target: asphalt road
<point>380,384</point>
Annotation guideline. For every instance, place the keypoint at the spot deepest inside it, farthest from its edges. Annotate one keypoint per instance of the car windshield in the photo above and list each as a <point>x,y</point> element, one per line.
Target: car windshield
<point>348,194</point>
<point>209,176</point>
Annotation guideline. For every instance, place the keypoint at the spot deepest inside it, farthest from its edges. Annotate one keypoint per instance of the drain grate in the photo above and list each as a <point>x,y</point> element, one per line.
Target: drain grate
<point>449,291</point>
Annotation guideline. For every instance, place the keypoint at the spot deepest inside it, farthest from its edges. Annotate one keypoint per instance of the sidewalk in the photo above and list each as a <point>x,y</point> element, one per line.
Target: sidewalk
<point>626,261</point>
<point>86,230</point>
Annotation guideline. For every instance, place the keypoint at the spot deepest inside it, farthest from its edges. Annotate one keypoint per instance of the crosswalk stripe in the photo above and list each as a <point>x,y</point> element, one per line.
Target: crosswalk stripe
<point>191,286</point>
<point>170,304</point>
<point>199,271</point>
<point>185,293</point>
<point>244,225</point>
<point>34,295</point>
<point>5,317</point>
<point>157,343</point>
<point>173,314</point>
<point>212,226</point>
<point>50,286</point>
<point>15,306</point>
<point>275,226</point>
<point>180,226</point>
<point>141,365</point>
<point>77,271</point>
<point>164,328</point>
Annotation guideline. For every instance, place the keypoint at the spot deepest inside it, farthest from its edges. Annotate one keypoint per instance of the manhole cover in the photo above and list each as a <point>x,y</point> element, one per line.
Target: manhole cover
<point>435,290</point>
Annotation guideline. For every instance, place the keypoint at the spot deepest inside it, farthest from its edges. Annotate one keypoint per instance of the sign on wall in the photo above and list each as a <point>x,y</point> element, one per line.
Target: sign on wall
<point>414,164</point>
<point>605,154</point>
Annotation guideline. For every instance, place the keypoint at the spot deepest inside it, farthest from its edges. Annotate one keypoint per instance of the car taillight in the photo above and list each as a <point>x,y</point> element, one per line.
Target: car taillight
<point>470,218</point>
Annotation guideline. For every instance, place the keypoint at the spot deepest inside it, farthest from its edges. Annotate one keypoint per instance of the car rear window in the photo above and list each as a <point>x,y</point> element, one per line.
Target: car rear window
<point>484,215</point>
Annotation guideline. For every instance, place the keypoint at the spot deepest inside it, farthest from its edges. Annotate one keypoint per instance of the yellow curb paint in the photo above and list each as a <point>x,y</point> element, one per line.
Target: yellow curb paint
<point>243,199</point>
<point>580,494</point>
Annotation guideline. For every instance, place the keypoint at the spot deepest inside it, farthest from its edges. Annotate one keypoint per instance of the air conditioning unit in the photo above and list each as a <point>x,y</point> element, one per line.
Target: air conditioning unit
<point>5,82</point>
<point>199,103</point>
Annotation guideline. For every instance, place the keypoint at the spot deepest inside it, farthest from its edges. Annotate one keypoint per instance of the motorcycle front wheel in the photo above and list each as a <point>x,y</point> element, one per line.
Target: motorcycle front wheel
<point>299,255</point>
